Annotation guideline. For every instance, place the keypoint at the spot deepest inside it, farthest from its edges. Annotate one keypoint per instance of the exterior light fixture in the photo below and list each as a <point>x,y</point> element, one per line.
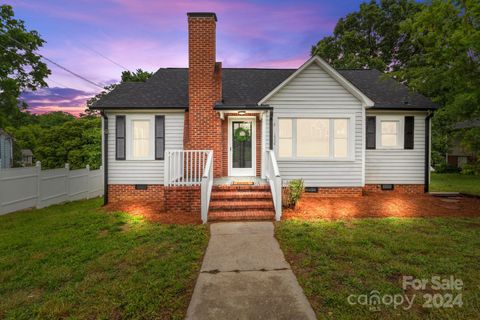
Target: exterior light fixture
<point>242,113</point>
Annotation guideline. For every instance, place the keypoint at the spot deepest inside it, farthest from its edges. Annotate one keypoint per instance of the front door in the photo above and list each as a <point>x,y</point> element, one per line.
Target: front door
<point>241,146</point>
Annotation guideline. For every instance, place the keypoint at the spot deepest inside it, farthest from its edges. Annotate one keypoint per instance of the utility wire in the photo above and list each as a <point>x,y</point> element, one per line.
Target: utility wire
<point>53,62</point>
<point>105,57</point>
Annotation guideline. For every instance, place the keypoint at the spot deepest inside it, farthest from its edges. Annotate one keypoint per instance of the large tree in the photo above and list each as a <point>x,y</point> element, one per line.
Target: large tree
<point>370,37</point>
<point>21,67</point>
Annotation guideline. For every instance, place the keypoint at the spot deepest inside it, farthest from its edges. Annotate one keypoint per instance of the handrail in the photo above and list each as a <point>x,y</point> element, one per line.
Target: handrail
<point>206,186</point>
<point>275,181</point>
<point>184,167</point>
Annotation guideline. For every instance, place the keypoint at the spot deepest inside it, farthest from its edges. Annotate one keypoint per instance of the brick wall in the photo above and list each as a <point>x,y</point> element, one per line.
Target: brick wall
<point>183,199</point>
<point>398,188</point>
<point>127,192</point>
<point>204,90</point>
<point>258,142</point>
<point>170,199</point>
<point>336,192</point>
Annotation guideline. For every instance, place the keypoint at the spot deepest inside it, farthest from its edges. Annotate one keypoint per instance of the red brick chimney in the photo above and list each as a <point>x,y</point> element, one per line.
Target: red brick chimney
<point>204,88</point>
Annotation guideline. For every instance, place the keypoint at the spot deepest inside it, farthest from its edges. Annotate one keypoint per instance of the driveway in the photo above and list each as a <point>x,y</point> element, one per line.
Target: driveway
<point>244,275</point>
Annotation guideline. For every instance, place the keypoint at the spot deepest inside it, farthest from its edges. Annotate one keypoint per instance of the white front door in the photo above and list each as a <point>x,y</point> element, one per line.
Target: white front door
<point>241,146</point>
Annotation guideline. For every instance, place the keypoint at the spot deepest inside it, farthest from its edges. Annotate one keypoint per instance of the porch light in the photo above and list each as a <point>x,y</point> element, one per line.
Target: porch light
<point>242,113</point>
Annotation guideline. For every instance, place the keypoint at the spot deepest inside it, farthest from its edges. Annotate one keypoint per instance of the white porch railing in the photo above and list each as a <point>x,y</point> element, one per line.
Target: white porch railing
<point>185,167</point>
<point>206,187</point>
<point>275,180</point>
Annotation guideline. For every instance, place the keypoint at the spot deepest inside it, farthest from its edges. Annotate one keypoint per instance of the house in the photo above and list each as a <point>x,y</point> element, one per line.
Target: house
<point>6,150</point>
<point>27,158</point>
<point>187,137</point>
<point>458,156</point>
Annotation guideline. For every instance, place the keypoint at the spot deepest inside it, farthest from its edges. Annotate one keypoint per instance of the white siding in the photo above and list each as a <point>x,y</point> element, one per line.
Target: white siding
<point>143,171</point>
<point>315,93</point>
<point>398,166</point>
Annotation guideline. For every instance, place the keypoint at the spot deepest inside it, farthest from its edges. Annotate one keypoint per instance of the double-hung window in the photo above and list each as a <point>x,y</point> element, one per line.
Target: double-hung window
<point>314,138</point>
<point>141,138</point>
<point>390,132</point>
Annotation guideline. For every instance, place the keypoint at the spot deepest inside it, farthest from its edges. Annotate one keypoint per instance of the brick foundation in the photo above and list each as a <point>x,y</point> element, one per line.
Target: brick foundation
<point>170,199</point>
<point>183,200</point>
<point>397,188</point>
<point>332,192</point>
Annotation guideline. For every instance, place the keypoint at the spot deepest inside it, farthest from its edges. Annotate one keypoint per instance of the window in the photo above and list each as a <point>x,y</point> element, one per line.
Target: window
<point>285,138</point>
<point>340,132</point>
<point>141,139</point>
<point>390,132</point>
<point>314,138</point>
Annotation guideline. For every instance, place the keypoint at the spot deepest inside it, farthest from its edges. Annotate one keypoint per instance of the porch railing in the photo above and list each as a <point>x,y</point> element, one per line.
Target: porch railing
<point>275,180</point>
<point>206,187</point>
<point>185,167</point>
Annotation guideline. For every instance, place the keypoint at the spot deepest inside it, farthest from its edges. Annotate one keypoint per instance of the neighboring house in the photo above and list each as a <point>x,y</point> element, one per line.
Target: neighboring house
<point>458,156</point>
<point>27,157</point>
<point>6,150</point>
<point>342,131</point>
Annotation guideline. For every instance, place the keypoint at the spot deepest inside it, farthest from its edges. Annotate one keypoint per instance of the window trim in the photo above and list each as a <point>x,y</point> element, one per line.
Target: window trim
<point>129,130</point>
<point>400,132</point>
<point>350,138</point>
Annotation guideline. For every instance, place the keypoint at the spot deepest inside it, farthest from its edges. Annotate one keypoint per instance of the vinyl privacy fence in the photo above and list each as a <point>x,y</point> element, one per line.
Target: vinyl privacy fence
<point>32,187</point>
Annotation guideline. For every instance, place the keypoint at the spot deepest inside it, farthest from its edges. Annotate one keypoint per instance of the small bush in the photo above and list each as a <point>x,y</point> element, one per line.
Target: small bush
<point>446,168</point>
<point>292,193</point>
<point>471,169</point>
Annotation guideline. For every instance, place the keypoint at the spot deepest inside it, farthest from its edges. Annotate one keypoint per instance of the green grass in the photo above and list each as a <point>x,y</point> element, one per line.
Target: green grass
<point>334,259</point>
<point>75,261</point>
<point>454,182</point>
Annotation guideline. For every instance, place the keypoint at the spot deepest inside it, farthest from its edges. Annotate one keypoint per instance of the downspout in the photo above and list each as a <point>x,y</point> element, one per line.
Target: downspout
<point>105,158</point>
<point>427,153</point>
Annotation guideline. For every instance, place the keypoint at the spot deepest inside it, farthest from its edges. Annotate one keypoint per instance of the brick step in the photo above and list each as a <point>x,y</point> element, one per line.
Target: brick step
<point>241,188</point>
<point>240,205</point>
<point>241,215</point>
<point>233,195</point>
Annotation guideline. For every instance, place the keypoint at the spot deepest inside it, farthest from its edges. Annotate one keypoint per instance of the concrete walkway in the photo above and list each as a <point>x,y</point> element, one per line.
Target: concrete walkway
<point>244,275</point>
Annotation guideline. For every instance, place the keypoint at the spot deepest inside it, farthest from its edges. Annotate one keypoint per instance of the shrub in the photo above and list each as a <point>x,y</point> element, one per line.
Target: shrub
<point>292,193</point>
<point>471,169</point>
<point>446,168</point>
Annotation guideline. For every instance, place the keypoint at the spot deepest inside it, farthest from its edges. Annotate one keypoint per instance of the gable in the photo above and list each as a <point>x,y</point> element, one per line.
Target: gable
<point>318,79</point>
<point>313,85</point>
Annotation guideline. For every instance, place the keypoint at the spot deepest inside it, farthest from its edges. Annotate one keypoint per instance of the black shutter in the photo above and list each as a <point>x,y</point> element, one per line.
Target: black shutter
<point>409,127</point>
<point>159,137</point>
<point>371,132</point>
<point>120,137</point>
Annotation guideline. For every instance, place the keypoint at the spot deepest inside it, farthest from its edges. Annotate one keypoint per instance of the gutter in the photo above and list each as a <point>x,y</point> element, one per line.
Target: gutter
<point>105,157</point>
<point>427,152</point>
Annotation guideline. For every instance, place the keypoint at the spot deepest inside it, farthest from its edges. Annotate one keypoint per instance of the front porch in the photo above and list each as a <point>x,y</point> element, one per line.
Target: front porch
<point>189,175</point>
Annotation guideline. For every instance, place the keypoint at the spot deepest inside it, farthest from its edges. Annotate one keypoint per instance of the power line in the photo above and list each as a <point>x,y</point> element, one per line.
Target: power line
<point>54,63</point>
<point>105,57</point>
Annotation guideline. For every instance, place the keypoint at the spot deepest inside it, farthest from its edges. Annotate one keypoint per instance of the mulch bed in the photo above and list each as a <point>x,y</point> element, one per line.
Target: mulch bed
<point>380,205</point>
<point>152,212</point>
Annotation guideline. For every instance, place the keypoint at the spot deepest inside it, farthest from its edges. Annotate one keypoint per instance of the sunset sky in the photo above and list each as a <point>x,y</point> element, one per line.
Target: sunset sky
<point>97,39</point>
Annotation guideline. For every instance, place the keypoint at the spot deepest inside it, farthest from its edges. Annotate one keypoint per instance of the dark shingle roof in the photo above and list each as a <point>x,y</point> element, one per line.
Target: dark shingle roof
<point>168,88</point>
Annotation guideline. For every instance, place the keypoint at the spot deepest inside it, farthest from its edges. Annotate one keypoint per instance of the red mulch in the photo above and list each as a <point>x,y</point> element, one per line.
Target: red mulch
<point>380,205</point>
<point>152,212</point>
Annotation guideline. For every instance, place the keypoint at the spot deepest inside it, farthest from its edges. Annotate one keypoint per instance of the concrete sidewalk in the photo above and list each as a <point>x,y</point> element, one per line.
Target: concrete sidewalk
<point>244,275</point>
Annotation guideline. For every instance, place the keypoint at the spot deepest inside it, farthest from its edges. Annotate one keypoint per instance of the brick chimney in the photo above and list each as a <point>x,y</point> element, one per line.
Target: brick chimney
<point>204,88</point>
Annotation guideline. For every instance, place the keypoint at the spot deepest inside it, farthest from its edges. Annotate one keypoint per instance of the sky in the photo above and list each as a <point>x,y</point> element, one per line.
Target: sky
<point>100,39</point>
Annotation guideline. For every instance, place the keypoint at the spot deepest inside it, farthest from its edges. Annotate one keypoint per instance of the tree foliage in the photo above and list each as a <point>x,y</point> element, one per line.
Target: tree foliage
<point>371,37</point>
<point>137,76</point>
<point>21,67</point>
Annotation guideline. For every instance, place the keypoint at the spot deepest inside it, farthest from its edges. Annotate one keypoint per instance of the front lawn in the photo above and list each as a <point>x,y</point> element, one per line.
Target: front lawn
<point>335,259</point>
<point>455,182</point>
<point>76,261</point>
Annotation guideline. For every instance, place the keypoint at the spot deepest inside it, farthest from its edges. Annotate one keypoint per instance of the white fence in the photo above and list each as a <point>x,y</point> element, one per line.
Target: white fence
<point>31,187</point>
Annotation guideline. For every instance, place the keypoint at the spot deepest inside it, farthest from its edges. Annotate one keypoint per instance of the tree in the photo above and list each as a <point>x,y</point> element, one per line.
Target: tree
<point>371,37</point>
<point>137,76</point>
<point>21,67</point>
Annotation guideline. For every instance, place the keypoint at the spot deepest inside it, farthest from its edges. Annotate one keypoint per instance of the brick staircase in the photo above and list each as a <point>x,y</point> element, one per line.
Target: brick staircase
<point>233,203</point>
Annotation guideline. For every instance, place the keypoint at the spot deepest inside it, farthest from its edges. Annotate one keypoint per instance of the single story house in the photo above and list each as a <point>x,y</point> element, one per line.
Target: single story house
<point>221,142</point>
<point>6,150</point>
